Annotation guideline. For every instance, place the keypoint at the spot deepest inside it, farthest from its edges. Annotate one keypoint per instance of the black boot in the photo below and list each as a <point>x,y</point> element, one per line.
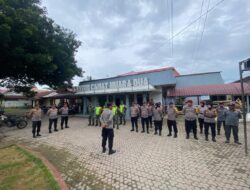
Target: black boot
<point>213,139</point>
<point>159,133</point>
<point>132,130</point>
<point>38,135</point>
<point>169,134</point>
<point>112,152</point>
<point>55,129</point>
<point>103,150</point>
<point>50,131</point>
<point>61,127</point>
<point>175,135</point>
<point>34,136</point>
<point>187,137</point>
<point>218,132</point>
<point>206,138</point>
<point>195,137</point>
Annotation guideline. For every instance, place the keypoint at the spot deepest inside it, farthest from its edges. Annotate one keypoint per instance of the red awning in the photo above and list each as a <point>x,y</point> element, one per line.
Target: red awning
<point>217,89</point>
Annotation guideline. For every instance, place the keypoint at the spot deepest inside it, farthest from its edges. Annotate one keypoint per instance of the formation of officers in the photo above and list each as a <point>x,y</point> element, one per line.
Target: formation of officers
<point>53,113</point>
<point>152,114</point>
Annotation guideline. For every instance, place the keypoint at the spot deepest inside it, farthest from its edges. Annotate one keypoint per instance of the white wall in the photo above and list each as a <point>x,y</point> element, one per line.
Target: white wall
<point>17,103</point>
<point>156,95</point>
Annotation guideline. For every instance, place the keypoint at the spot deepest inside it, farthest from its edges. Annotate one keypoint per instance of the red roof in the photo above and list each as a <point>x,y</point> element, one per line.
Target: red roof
<point>176,73</point>
<point>217,89</point>
<point>15,97</point>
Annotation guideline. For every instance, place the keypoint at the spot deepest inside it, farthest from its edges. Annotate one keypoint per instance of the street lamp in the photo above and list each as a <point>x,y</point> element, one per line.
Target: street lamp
<point>244,66</point>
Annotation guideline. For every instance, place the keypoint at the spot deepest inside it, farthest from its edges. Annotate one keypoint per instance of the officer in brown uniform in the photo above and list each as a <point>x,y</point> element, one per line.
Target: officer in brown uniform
<point>190,112</point>
<point>150,114</point>
<point>144,117</point>
<point>171,122</point>
<point>201,109</point>
<point>134,114</point>
<point>36,117</point>
<point>209,120</point>
<point>158,118</point>
<point>53,114</point>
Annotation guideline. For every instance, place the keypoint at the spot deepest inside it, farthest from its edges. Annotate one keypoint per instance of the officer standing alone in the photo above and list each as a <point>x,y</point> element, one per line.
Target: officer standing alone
<point>106,119</point>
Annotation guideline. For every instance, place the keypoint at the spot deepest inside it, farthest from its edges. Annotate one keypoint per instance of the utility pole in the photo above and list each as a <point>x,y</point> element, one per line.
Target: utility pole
<point>244,66</point>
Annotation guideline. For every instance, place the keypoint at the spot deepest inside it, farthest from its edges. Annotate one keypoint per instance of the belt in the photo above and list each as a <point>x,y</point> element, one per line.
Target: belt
<point>190,119</point>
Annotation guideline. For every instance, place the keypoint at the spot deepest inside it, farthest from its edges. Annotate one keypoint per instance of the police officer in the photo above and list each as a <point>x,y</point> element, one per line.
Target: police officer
<point>221,117</point>
<point>134,114</point>
<point>98,112</point>
<point>106,119</point>
<point>232,117</point>
<point>171,122</point>
<point>201,110</point>
<point>122,112</point>
<point>158,118</point>
<point>115,112</point>
<point>91,111</point>
<point>190,112</point>
<point>64,115</point>
<point>144,117</point>
<point>209,121</point>
<point>36,118</point>
<point>53,114</point>
<point>150,114</point>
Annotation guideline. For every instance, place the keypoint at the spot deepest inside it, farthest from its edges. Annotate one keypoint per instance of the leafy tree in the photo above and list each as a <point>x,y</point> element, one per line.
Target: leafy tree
<point>33,49</point>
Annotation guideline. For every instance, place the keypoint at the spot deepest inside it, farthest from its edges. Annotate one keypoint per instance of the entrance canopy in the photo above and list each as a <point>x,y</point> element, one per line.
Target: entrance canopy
<point>217,89</point>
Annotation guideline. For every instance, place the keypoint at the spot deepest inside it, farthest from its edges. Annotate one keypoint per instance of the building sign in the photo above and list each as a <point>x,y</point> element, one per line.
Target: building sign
<point>114,86</point>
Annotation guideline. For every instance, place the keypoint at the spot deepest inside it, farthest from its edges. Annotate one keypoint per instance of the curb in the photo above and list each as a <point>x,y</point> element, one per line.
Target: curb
<point>56,174</point>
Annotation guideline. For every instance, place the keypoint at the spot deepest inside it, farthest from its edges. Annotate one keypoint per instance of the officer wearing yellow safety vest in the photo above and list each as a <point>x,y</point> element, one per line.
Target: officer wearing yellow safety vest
<point>115,112</point>
<point>122,113</point>
<point>98,112</point>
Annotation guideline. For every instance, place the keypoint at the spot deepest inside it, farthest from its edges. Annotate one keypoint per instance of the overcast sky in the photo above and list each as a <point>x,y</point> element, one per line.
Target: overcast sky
<point>119,36</point>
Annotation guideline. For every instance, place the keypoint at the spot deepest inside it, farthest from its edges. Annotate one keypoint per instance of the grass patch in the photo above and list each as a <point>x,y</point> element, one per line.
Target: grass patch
<point>76,175</point>
<point>16,111</point>
<point>21,170</point>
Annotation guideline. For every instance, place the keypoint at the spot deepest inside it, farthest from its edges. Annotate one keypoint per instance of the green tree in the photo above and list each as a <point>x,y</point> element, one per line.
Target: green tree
<point>33,49</point>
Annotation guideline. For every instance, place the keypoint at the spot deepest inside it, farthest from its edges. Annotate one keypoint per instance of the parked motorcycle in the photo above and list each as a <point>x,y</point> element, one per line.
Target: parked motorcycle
<point>13,120</point>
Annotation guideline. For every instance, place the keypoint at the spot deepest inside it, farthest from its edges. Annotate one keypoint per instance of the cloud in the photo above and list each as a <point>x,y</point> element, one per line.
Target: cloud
<point>119,36</point>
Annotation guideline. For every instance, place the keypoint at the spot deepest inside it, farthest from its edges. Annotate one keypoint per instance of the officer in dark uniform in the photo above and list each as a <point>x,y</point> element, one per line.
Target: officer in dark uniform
<point>106,119</point>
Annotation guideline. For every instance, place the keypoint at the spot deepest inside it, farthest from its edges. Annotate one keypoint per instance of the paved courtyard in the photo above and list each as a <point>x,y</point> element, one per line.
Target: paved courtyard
<point>142,161</point>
